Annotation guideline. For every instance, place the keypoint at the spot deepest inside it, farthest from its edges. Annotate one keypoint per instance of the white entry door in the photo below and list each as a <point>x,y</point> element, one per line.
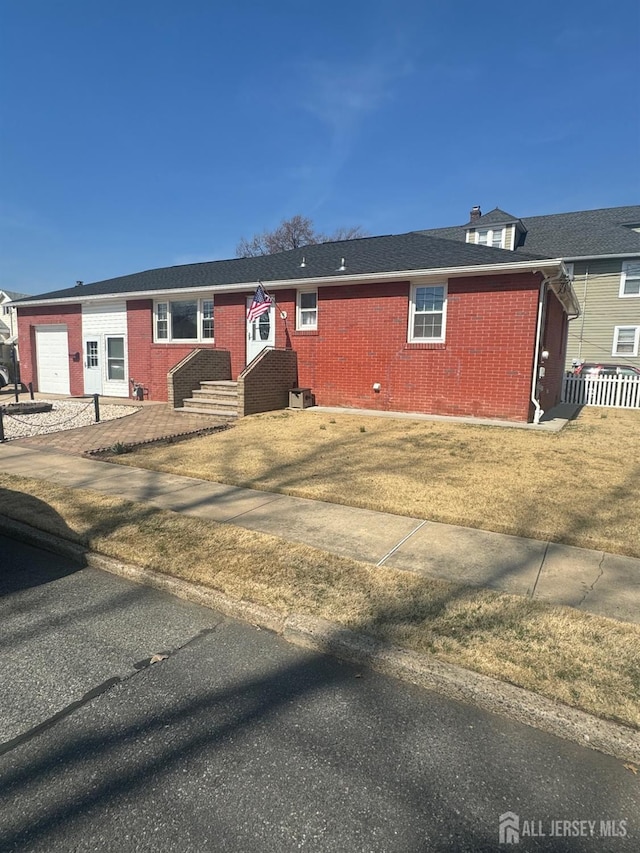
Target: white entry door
<point>261,332</point>
<point>92,366</point>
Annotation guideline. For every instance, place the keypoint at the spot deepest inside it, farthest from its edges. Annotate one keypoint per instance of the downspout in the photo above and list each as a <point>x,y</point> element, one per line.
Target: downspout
<point>584,311</point>
<point>546,281</point>
<point>539,412</point>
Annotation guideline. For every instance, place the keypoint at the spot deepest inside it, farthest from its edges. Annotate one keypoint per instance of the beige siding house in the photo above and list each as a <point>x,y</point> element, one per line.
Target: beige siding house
<point>601,249</point>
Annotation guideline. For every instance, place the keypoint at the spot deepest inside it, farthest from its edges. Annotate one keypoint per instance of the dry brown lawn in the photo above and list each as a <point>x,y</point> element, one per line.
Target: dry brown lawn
<point>586,661</point>
<point>580,486</point>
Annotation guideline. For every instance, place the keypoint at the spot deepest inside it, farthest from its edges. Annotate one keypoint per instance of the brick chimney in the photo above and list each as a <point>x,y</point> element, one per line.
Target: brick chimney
<point>476,213</point>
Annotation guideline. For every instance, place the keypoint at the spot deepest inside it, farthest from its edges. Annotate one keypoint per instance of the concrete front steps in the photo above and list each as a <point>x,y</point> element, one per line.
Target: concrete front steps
<point>218,399</point>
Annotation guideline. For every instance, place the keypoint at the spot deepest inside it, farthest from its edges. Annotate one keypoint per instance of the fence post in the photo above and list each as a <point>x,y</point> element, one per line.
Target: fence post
<point>14,362</point>
<point>1,426</point>
<point>31,390</point>
<point>96,406</point>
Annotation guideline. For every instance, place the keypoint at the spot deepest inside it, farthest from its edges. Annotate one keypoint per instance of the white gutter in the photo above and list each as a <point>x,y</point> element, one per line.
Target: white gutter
<point>602,257</point>
<point>327,281</point>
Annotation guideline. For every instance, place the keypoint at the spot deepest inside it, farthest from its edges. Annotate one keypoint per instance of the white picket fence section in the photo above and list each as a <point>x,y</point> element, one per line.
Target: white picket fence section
<point>619,392</point>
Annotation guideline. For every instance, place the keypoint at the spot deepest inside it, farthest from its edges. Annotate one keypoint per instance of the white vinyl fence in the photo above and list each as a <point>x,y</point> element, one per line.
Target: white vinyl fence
<point>620,392</point>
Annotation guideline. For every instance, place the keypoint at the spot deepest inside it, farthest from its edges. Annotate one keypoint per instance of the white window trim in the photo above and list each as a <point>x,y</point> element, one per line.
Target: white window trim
<point>176,297</point>
<point>490,235</point>
<point>306,327</point>
<point>636,342</point>
<point>125,359</point>
<point>623,279</point>
<point>412,310</point>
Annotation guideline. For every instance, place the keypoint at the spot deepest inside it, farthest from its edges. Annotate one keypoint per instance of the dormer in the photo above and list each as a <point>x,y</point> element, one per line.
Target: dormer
<point>496,228</point>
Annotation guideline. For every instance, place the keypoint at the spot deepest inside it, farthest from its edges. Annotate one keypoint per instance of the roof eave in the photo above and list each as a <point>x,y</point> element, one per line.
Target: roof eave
<point>572,258</point>
<point>541,265</point>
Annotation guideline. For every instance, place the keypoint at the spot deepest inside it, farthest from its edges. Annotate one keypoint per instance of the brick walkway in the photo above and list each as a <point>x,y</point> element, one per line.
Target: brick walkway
<point>149,423</point>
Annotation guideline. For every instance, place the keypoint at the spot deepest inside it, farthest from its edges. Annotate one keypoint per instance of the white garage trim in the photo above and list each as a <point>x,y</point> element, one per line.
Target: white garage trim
<point>52,359</point>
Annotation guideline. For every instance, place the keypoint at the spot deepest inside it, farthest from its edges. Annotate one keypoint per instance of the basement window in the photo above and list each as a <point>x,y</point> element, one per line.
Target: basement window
<point>427,313</point>
<point>183,320</point>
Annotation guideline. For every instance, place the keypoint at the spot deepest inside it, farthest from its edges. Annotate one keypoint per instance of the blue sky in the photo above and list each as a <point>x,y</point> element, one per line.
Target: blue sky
<point>145,133</point>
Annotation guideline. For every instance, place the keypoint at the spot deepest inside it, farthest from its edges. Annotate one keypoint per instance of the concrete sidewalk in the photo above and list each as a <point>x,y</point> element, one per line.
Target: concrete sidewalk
<point>594,581</point>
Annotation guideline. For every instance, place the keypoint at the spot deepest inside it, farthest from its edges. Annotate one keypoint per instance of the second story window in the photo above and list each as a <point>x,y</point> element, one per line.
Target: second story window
<point>490,237</point>
<point>630,279</point>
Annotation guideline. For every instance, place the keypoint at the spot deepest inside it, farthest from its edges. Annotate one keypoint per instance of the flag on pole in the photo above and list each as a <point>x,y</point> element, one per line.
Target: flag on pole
<point>261,303</point>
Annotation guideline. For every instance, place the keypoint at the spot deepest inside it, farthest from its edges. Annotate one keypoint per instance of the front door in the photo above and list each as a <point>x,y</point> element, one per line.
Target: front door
<point>92,366</point>
<point>261,332</point>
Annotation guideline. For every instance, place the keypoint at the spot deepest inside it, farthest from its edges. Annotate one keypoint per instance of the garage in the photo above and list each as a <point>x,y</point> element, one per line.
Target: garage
<point>52,354</point>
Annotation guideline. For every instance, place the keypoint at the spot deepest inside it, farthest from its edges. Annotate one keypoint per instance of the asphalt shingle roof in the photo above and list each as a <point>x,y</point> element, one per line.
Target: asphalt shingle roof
<point>494,217</point>
<point>584,233</point>
<point>12,294</point>
<point>366,255</point>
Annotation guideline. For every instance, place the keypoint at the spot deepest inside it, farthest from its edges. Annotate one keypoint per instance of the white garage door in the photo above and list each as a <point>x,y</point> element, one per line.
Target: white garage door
<point>52,354</point>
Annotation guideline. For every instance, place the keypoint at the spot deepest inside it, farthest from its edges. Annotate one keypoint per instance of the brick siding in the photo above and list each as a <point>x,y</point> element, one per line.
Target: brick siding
<point>44,315</point>
<point>265,384</point>
<point>483,369</point>
<point>199,365</point>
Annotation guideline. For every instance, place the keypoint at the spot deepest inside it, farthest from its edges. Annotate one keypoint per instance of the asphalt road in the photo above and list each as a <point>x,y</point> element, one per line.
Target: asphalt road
<point>237,741</point>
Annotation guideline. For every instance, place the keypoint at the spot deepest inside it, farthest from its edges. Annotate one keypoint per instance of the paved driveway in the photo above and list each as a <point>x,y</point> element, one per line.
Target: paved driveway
<point>151,422</point>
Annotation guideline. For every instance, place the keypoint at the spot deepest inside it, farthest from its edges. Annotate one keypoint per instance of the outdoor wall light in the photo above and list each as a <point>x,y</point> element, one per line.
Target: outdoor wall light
<point>376,387</point>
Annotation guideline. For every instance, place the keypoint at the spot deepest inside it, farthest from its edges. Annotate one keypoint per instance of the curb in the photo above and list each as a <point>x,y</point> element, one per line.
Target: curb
<point>326,637</point>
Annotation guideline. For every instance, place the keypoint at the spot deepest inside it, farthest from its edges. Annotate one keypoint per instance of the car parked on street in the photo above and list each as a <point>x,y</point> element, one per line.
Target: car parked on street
<point>605,369</point>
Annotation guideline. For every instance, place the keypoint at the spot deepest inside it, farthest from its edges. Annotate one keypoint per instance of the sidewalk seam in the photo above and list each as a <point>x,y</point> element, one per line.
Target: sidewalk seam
<point>544,557</point>
<point>400,543</point>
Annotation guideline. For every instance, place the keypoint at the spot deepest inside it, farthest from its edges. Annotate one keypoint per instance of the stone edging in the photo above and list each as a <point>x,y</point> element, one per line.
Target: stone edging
<point>325,637</point>
<point>167,439</point>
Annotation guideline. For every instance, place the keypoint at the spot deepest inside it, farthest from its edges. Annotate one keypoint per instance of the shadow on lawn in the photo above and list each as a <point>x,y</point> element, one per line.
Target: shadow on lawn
<point>28,567</point>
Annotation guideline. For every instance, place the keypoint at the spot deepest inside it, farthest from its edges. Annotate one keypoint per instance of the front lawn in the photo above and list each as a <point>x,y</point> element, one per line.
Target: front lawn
<point>580,486</point>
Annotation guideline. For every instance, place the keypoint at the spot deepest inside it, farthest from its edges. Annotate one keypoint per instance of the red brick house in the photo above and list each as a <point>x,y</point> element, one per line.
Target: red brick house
<point>411,323</point>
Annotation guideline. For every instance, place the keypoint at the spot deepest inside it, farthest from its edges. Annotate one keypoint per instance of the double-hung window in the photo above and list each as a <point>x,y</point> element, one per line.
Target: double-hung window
<point>427,313</point>
<point>490,237</point>
<point>625,340</point>
<point>179,320</point>
<point>307,310</point>
<point>630,279</point>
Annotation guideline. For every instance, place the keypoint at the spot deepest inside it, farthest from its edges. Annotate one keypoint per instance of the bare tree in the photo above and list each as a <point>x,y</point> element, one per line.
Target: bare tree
<point>292,234</point>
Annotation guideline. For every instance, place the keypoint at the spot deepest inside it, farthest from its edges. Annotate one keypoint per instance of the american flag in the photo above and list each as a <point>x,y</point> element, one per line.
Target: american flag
<point>261,303</point>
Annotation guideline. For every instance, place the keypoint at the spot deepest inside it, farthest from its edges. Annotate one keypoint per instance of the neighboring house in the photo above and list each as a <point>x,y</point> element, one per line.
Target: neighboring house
<point>601,249</point>
<point>8,324</point>
<point>9,370</point>
<point>411,323</point>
